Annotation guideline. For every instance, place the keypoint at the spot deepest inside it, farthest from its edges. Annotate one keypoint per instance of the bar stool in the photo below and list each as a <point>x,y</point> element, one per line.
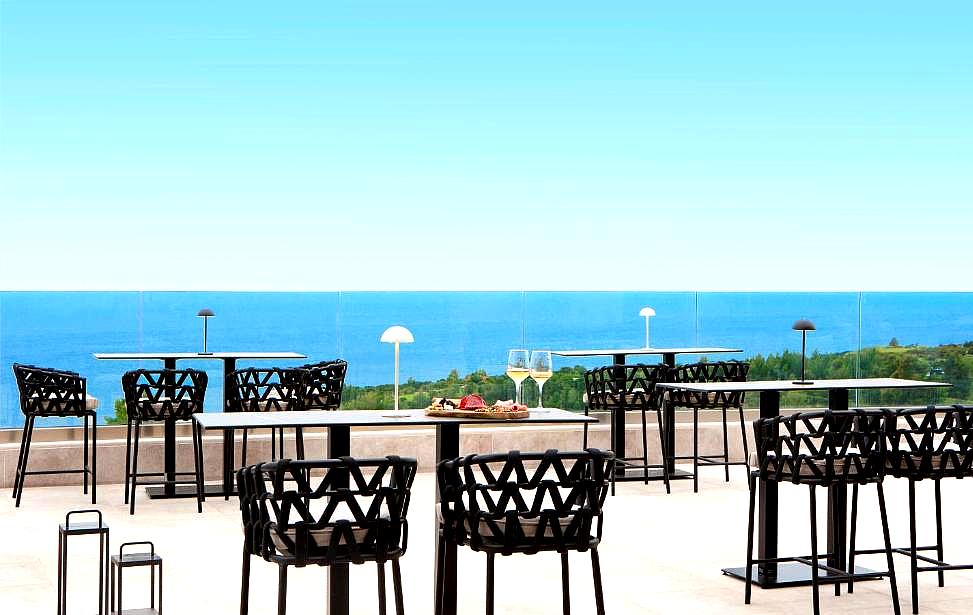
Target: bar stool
<point>67,529</point>
<point>721,371</point>
<point>137,560</point>
<point>495,504</point>
<point>158,396</point>
<point>271,389</point>
<point>326,512</point>
<point>621,388</point>
<point>46,392</point>
<point>933,443</point>
<point>820,449</point>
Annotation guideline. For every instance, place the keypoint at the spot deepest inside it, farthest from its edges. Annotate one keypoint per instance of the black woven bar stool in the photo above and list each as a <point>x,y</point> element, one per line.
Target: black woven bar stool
<point>821,449</point>
<point>46,392</point>
<point>624,388</point>
<point>933,443</point>
<point>325,512</point>
<point>80,528</point>
<point>137,560</point>
<point>525,503</point>
<point>271,389</point>
<point>324,386</point>
<point>722,371</point>
<point>159,396</point>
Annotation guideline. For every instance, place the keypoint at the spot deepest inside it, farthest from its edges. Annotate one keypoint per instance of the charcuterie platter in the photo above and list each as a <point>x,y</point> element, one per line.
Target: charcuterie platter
<point>473,406</point>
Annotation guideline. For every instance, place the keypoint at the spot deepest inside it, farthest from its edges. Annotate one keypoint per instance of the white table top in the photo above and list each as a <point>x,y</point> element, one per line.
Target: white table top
<point>598,352</point>
<point>138,356</point>
<point>788,385</point>
<point>363,418</point>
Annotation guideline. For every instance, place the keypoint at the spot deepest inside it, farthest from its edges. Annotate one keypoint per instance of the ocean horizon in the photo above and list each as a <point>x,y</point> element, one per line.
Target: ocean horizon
<point>465,331</point>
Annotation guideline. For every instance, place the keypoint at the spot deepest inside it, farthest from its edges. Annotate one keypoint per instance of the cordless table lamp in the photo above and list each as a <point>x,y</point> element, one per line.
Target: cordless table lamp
<point>397,335</point>
<point>205,314</point>
<point>647,313</point>
<point>803,325</point>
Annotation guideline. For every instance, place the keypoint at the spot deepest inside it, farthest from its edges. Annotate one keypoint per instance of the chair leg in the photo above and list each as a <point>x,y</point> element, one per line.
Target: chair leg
<point>645,450</point>
<point>299,443</point>
<point>611,438</point>
<point>939,530</point>
<point>851,540</point>
<point>94,460</point>
<point>664,450</point>
<point>282,591</point>
<point>752,484</point>
<point>382,609</point>
<point>135,468</point>
<point>695,450</point>
<point>397,587</point>
<point>815,598</point>
<point>198,469</point>
<point>726,448</point>
<point>128,459</point>
<point>23,470</point>
<point>913,560</point>
<point>273,444</point>
<point>20,458</point>
<point>596,574</point>
<point>893,586</point>
<point>245,585</point>
<point>202,466</point>
<point>490,579</point>
<point>243,461</point>
<point>84,454</point>
<point>746,446</point>
<point>440,559</point>
<point>584,437</point>
<point>565,585</point>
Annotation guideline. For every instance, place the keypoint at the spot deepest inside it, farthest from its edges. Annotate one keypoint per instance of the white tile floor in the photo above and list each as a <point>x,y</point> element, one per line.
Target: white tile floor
<point>661,554</point>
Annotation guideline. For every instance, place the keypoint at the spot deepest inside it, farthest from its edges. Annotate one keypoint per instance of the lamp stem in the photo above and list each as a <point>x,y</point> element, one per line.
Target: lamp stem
<point>803,353</point>
<point>205,332</point>
<point>396,375</point>
<point>647,332</point>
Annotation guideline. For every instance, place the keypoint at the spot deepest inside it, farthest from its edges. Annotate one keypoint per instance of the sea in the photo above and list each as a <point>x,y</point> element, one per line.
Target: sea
<point>463,331</point>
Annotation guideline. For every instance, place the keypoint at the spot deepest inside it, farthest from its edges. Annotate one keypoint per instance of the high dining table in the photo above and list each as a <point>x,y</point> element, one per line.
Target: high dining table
<point>789,574</point>
<point>669,417</point>
<point>169,434</point>
<point>339,426</point>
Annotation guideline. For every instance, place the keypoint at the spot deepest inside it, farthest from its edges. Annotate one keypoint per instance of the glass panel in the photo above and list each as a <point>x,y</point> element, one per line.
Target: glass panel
<point>922,336</point>
<point>61,330</point>
<point>760,324</point>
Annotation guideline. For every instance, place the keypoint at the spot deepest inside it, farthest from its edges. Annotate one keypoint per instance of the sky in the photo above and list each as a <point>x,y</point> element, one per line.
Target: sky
<point>503,145</point>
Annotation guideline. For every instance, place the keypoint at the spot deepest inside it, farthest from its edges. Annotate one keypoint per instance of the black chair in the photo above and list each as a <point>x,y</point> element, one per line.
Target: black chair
<point>325,384</point>
<point>624,388</point>
<point>821,449</point>
<point>497,505</point>
<point>46,392</point>
<point>160,396</point>
<point>270,389</point>
<point>325,512</point>
<point>933,443</point>
<point>722,371</point>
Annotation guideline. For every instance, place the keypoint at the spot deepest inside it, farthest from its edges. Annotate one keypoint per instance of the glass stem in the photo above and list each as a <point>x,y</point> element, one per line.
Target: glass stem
<point>540,395</point>
<point>517,393</point>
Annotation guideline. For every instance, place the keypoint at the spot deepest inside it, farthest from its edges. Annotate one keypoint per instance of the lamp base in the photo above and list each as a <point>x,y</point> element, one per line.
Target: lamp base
<point>204,353</point>
<point>802,382</point>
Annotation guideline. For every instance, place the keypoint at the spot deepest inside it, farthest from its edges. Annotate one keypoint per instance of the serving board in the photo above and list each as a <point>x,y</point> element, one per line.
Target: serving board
<point>478,414</point>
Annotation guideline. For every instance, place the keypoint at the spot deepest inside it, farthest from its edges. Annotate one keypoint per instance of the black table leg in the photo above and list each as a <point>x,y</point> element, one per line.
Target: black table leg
<point>669,423</point>
<point>767,503</point>
<point>229,435</point>
<point>169,443</point>
<point>618,419</point>
<point>339,445</point>
<point>447,447</point>
<point>838,500</point>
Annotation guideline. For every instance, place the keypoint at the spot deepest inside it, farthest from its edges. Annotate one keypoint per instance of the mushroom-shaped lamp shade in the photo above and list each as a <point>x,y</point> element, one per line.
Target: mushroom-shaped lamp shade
<point>647,313</point>
<point>804,325</point>
<point>205,314</point>
<point>397,335</point>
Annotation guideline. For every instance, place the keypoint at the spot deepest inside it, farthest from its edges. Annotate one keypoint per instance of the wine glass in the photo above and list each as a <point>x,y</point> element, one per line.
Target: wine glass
<point>517,370</point>
<point>540,371</point>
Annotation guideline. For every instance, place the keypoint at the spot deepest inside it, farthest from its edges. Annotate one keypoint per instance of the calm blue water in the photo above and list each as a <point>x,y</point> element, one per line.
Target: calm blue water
<point>456,330</point>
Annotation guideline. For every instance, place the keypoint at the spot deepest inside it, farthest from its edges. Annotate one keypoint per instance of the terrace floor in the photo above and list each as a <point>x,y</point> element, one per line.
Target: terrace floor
<point>660,554</point>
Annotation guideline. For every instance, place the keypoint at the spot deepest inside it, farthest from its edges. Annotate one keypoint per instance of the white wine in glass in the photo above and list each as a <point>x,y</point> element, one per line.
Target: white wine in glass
<point>517,370</point>
<point>541,371</point>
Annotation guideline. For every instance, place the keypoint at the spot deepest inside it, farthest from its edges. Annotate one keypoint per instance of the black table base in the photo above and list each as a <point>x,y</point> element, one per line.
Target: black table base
<point>158,492</point>
<point>795,574</point>
<point>633,475</point>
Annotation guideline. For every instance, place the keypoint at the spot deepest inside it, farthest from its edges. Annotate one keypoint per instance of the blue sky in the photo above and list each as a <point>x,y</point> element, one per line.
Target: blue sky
<point>404,145</point>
